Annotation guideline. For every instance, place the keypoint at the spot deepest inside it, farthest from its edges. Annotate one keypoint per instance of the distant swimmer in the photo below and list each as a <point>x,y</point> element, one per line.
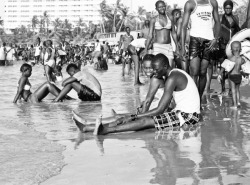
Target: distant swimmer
<point>161,29</point>
<point>84,83</point>
<point>24,86</point>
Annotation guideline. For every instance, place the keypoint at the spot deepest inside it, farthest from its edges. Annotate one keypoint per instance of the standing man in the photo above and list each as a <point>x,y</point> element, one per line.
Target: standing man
<point>38,50</point>
<point>125,41</point>
<point>204,35</point>
<point>138,43</point>
<point>160,29</point>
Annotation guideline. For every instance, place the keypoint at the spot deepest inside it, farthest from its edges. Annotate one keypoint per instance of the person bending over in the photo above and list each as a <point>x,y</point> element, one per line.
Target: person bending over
<point>84,83</point>
<point>178,85</point>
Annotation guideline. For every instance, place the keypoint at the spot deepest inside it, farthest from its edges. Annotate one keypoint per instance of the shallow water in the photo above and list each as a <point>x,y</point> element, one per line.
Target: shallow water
<point>217,152</point>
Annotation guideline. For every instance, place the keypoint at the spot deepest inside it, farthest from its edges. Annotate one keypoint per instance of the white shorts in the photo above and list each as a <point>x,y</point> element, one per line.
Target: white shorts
<point>50,63</point>
<point>165,49</point>
<point>139,43</point>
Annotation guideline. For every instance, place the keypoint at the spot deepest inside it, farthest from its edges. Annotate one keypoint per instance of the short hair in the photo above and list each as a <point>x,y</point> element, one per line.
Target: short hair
<point>97,40</point>
<point>162,59</point>
<point>177,10</point>
<point>148,57</point>
<point>71,66</point>
<point>24,67</point>
<point>228,2</point>
<point>234,42</point>
<point>158,2</point>
<point>127,27</point>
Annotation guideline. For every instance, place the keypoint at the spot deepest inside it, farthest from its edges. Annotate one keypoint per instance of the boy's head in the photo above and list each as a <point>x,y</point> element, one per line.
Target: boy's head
<point>147,65</point>
<point>236,47</point>
<point>72,69</point>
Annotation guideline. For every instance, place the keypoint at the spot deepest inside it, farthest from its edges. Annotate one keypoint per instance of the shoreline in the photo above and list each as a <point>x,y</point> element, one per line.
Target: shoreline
<point>28,157</point>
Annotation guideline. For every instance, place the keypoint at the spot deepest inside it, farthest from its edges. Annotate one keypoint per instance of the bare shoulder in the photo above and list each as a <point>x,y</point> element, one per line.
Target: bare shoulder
<point>190,4</point>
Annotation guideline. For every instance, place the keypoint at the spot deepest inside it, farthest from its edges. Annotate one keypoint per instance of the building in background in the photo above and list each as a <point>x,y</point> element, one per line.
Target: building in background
<point>20,12</point>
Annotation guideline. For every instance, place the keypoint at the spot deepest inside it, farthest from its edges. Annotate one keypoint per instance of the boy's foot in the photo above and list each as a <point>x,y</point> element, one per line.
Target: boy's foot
<point>98,126</point>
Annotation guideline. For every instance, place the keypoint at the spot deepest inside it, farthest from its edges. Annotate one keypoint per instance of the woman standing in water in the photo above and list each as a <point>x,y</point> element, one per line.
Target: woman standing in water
<point>24,86</point>
<point>162,25</point>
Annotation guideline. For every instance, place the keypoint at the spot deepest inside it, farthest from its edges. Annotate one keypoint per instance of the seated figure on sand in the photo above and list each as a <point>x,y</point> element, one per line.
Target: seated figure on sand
<point>178,84</point>
<point>84,83</point>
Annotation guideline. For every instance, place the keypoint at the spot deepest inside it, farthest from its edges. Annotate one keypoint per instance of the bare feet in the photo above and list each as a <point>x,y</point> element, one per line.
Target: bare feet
<point>98,125</point>
<point>138,83</point>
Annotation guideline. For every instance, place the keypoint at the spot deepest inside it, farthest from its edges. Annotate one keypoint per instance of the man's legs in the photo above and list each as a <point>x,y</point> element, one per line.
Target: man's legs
<point>209,76</point>
<point>135,59</point>
<point>203,76</point>
<point>75,85</point>
<point>140,124</point>
<point>45,89</point>
<point>195,69</point>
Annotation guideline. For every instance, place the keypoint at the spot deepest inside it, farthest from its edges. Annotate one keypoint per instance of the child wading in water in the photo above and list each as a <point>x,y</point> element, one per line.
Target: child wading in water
<point>235,75</point>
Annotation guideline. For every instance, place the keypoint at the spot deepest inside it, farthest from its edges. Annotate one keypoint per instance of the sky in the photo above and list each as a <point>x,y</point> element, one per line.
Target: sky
<point>149,5</point>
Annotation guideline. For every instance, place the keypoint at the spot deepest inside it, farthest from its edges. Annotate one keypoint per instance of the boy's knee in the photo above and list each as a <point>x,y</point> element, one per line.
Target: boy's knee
<point>132,50</point>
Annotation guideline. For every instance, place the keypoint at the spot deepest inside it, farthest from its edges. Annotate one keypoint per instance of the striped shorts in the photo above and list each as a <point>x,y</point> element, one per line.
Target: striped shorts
<point>171,119</point>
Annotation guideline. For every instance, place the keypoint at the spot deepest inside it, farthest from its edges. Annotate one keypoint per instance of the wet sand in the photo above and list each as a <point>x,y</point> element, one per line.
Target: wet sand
<point>27,157</point>
<point>37,141</point>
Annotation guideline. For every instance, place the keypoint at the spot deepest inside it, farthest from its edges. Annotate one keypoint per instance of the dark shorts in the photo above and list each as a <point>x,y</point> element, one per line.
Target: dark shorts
<point>171,119</point>
<point>2,62</point>
<point>198,47</point>
<point>37,58</point>
<point>87,94</point>
<point>236,78</point>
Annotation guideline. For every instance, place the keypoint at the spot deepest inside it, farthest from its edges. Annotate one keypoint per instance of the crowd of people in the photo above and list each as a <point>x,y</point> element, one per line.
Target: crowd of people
<point>177,52</point>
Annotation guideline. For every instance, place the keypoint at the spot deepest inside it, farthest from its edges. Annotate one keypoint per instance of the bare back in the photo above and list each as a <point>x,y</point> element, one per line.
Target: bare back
<point>238,63</point>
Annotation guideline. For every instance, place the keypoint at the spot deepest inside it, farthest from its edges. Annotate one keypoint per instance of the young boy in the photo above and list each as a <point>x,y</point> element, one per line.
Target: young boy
<point>235,76</point>
<point>84,83</point>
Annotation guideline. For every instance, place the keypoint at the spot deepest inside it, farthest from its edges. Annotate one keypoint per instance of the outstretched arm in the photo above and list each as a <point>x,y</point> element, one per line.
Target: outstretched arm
<point>68,81</point>
<point>153,88</point>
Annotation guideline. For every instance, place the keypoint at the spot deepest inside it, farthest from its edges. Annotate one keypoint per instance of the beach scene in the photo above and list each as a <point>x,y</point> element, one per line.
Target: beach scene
<point>155,100</point>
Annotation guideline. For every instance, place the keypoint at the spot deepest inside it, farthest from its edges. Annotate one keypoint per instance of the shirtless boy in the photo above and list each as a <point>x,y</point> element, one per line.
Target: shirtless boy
<point>235,75</point>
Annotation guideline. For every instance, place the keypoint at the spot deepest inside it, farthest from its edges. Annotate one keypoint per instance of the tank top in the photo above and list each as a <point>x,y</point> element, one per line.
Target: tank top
<point>37,50</point>
<point>202,21</point>
<point>2,53</point>
<point>183,101</point>
<point>52,58</point>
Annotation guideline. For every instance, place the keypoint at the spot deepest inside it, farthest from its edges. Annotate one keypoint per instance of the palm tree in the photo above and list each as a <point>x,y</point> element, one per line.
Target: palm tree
<point>57,23</point>
<point>115,13</point>
<point>79,24</point>
<point>126,17</point>
<point>46,20</point>
<point>67,25</point>
<point>34,22</point>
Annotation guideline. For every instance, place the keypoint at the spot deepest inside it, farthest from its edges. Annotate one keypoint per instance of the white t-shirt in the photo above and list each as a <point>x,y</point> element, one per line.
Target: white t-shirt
<point>87,79</point>
<point>2,53</point>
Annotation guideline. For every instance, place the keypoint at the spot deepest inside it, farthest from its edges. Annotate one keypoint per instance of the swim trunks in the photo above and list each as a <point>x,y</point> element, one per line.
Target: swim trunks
<point>165,49</point>
<point>198,47</point>
<point>2,62</point>
<point>87,94</point>
<point>236,78</point>
<point>172,119</point>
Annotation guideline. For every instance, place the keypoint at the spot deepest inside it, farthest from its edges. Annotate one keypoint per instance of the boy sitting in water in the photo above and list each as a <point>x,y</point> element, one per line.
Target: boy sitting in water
<point>235,75</point>
<point>84,83</point>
